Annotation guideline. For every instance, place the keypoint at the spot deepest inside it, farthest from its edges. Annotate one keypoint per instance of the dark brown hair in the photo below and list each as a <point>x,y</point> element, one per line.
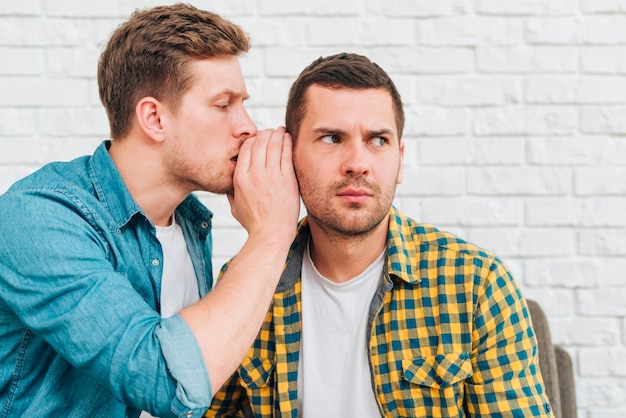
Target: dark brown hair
<point>336,71</point>
<point>149,55</point>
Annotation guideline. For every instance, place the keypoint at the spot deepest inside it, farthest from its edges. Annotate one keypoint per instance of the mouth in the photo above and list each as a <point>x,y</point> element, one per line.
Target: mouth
<point>354,195</point>
<point>353,191</point>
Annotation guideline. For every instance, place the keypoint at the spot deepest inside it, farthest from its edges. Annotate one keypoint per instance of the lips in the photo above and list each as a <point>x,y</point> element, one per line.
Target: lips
<point>354,195</point>
<point>352,192</point>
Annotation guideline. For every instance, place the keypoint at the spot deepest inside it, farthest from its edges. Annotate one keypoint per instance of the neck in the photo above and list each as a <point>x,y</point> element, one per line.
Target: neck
<point>340,258</point>
<point>139,164</point>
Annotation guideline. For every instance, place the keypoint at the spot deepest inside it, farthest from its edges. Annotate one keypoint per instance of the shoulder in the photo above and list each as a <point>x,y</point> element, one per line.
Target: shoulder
<point>419,251</point>
<point>59,183</point>
<point>405,231</point>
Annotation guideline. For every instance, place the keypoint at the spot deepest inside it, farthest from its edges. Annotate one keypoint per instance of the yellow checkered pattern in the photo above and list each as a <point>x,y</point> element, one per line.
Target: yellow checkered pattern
<point>450,336</point>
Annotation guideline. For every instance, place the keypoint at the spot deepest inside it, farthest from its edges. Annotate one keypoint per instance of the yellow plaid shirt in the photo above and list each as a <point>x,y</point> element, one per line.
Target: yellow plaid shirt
<point>450,336</point>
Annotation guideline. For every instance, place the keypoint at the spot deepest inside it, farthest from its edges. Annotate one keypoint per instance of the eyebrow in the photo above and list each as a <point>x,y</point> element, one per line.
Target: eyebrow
<point>232,93</point>
<point>333,131</point>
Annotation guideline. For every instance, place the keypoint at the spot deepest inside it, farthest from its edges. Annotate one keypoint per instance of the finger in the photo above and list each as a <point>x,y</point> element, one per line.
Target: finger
<point>286,158</point>
<point>259,149</point>
<point>275,149</point>
<point>244,157</point>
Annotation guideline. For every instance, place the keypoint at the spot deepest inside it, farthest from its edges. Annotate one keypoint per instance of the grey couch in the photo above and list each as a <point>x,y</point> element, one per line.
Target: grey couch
<point>556,366</point>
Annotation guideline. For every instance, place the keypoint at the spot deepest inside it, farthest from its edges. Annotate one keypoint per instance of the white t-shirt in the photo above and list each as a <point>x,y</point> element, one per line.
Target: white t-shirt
<point>179,286</point>
<point>334,378</point>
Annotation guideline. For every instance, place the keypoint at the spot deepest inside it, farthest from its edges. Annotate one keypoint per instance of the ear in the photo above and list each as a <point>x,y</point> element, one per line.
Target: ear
<point>148,113</point>
<point>400,170</point>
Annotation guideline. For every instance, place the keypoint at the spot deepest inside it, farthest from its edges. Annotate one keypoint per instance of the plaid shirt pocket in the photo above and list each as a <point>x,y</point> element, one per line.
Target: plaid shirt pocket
<point>432,386</point>
<point>439,371</point>
<point>256,373</point>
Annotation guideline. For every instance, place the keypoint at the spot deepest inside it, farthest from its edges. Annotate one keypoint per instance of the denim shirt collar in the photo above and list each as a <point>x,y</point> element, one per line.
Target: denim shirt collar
<point>115,196</point>
<point>120,203</point>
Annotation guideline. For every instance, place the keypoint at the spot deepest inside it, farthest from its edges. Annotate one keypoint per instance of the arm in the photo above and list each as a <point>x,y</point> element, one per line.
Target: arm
<point>506,377</point>
<point>266,202</point>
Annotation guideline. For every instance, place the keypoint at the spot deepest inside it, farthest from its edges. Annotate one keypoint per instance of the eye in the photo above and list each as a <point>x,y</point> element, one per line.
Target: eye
<point>379,141</point>
<point>223,106</point>
<point>330,139</point>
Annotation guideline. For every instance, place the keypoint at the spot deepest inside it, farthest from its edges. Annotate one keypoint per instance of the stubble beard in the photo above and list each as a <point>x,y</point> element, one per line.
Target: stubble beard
<point>354,220</point>
<point>194,177</point>
<point>208,182</point>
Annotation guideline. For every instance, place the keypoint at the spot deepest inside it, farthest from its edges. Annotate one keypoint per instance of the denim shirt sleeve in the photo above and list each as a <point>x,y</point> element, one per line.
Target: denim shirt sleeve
<point>65,273</point>
<point>193,388</point>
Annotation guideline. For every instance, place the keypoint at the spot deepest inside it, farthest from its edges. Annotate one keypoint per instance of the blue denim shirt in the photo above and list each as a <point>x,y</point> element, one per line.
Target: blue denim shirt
<point>80,279</point>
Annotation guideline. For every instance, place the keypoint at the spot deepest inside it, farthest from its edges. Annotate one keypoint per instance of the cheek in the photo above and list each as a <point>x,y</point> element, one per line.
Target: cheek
<point>392,171</point>
<point>300,166</point>
<point>307,181</point>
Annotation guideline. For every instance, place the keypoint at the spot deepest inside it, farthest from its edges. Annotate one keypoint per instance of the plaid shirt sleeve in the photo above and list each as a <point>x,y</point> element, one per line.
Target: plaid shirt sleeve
<point>506,380</point>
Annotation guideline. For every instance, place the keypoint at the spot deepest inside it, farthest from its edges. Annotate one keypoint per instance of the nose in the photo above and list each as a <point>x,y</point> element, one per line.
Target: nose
<point>355,161</point>
<point>244,125</point>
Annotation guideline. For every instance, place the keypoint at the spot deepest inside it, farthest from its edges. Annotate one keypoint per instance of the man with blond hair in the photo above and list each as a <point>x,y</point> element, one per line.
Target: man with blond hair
<point>106,307</point>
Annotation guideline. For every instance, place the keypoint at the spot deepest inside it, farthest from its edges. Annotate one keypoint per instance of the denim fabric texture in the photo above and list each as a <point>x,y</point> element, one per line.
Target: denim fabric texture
<point>80,276</point>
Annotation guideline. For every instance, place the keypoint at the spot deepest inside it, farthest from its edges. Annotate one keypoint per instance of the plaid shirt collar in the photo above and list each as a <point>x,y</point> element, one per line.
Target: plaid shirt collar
<point>403,255</point>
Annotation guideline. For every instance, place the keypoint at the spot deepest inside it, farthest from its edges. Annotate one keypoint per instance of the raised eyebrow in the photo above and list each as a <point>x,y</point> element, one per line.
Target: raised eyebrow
<point>381,132</point>
<point>328,131</point>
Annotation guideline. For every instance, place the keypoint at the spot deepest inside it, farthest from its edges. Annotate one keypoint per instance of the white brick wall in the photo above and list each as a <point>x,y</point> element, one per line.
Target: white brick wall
<point>516,130</point>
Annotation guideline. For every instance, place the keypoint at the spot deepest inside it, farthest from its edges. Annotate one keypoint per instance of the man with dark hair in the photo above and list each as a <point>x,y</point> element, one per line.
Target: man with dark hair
<point>375,313</point>
<point>106,307</point>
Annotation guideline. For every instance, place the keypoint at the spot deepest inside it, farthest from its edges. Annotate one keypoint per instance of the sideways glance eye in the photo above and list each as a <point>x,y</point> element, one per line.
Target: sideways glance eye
<point>330,139</point>
<point>379,141</point>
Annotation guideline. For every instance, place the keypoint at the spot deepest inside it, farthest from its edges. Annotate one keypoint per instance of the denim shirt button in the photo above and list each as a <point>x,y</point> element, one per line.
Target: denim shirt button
<point>189,414</point>
<point>155,262</point>
<point>204,225</point>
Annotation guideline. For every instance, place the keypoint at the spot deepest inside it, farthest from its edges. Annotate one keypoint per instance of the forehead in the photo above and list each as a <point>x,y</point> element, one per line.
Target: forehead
<point>213,75</point>
<point>347,106</point>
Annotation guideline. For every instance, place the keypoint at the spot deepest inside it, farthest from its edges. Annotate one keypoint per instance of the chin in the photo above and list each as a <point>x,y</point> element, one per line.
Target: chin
<point>220,188</point>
